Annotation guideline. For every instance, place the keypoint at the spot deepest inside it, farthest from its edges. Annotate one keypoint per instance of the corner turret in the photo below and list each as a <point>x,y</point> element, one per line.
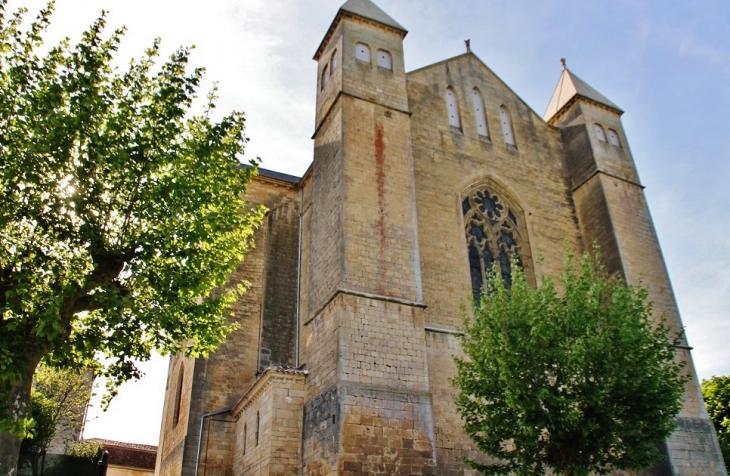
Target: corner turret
<point>612,211</point>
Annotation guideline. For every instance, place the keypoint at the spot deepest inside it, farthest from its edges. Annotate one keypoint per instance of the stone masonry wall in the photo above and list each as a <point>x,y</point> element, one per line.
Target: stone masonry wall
<point>173,434</point>
<point>368,81</point>
<point>320,352</point>
<point>612,210</point>
<point>278,333</point>
<point>219,381</point>
<point>268,428</point>
<point>449,160</point>
<point>325,238</point>
<point>375,416</point>
<point>381,249</point>
<point>451,446</point>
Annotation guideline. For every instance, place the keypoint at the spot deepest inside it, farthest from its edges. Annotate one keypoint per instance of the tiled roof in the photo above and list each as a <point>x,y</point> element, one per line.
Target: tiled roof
<point>133,455</point>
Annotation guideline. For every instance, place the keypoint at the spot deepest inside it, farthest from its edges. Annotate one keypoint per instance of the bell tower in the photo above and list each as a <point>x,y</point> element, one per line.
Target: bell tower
<point>368,407</point>
<point>612,211</point>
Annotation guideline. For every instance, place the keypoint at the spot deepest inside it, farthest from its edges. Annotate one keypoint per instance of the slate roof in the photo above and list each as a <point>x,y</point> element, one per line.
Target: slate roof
<point>569,86</point>
<point>370,11</point>
<point>364,9</point>
<point>274,174</point>
<point>278,175</point>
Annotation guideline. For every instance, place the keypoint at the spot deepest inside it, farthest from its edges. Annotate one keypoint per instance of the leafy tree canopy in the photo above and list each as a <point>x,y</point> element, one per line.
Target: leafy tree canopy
<point>581,381</point>
<point>58,401</point>
<point>121,211</point>
<point>717,398</point>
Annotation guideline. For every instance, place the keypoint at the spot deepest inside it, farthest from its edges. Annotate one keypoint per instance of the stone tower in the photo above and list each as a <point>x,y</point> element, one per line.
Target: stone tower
<point>363,333</point>
<point>420,182</point>
<point>612,211</point>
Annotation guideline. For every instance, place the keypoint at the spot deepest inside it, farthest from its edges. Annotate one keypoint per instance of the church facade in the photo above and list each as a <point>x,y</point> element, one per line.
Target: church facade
<point>420,182</point>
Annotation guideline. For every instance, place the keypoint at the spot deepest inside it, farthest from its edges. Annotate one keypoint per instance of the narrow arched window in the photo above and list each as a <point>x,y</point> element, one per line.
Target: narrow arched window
<point>613,138</point>
<point>362,52</point>
<point>257,428</point>
<point>492,236</point>
<point>452,107</point>
<point>245,432</point>
<point>325,76</point>
<point>479,112</point>
<point>333,62</point>
<point>178,395</point>
<point>384,60</point>
<point>599,132</point>
<point>504,116</point>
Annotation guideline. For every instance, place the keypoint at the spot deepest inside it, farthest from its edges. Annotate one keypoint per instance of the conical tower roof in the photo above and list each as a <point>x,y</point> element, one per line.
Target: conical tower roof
<point>570,86</point>
<point>363,9</point>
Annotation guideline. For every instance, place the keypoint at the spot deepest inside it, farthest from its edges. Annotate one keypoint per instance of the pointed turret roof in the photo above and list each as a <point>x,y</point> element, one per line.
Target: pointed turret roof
<point>570,86</point>
<point>370,11</point>
<point>364,9</point>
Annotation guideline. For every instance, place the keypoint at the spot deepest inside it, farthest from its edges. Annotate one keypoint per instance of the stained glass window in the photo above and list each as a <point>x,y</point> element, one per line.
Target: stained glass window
<point>492,237</point>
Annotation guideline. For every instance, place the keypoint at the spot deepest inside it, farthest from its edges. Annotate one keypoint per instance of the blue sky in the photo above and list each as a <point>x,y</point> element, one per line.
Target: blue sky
<point>666,63</point>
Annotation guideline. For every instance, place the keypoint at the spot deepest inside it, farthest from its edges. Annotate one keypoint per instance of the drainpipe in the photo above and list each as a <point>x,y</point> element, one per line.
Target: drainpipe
<point>299,271</point>
<point>200,435</point>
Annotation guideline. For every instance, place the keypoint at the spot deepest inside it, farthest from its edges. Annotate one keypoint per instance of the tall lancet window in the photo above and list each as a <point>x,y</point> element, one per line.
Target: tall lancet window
<point>509,134</point>
<point>452,107</point>
<point>333,62</point>
<point>178,395</point>
<point>479,113</point>
<point>325,76</point>
<point>493,235</point>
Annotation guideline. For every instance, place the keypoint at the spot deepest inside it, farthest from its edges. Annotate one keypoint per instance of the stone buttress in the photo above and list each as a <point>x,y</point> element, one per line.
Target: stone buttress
<point>368,407</point>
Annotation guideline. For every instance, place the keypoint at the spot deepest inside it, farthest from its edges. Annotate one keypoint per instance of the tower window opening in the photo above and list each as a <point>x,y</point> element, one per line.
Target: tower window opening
<point>333,62</point>
<point>613,138</point>
<point>384,60</point>
<point>257,428</point>
<point>509,135</point>
<point>599,133</point>
<point>325,76</point>
<point>245,431</point>
<point>452,107</point>
<point>479,112</point>
<point>362,52</point>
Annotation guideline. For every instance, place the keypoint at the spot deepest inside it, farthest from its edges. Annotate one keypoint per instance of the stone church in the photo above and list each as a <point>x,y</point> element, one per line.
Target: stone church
<point>420,182</point>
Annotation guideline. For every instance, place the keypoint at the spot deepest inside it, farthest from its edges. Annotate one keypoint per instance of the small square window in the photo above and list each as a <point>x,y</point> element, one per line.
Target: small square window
<point>362,52</point>
<point>613,138</point>
<point>599,133</point>
<point>384,60</point>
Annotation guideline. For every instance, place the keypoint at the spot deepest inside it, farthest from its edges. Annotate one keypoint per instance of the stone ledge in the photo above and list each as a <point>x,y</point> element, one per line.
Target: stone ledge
<point>270,375</point>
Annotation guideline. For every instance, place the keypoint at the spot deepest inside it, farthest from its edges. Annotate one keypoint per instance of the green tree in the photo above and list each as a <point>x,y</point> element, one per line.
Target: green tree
<point>121,210</point>
<point>58,402</point>
<point>717,398</point>
<point>582,381</point>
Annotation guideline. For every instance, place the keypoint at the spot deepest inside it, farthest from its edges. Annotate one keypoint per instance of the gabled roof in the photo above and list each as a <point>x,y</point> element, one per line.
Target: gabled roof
<point>470,54</point>
<point>370,11</point>
<point>570,86</point>
<point>364,9</point>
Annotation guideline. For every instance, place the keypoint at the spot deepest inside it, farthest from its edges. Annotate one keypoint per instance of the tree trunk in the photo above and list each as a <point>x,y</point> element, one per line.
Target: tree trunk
<point>20,408</point>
